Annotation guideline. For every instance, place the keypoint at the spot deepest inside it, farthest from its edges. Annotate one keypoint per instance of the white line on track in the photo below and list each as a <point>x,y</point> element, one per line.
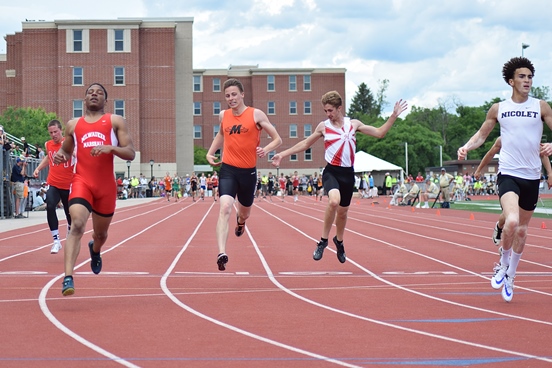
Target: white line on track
<point>171,296</point>
<point>487,347</point>
<point>49,315</point>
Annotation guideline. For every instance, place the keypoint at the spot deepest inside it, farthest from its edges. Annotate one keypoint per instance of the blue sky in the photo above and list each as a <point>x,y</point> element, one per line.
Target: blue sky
<point>433,52</point>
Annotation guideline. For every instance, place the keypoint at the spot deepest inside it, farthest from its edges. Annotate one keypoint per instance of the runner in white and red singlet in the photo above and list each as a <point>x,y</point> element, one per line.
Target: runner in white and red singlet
<point>338,177</point>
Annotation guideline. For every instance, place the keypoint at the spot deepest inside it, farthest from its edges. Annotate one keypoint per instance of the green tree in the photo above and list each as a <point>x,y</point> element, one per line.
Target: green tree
<point>27,122</point>
<point>363,102</point>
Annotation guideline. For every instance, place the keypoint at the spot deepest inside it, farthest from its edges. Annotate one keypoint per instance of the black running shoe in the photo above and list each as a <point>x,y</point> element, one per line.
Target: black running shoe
<point>68,287</point>
<point>319,251</point>
<point>240,228</point>
<point>340,250</point>
<point>222,260</point>
<point>96,259</point>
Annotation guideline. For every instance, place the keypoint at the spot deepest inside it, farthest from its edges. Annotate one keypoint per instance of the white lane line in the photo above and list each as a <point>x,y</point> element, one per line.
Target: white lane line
<point>387,324</point>
<point>171,296</point>
<point>49,315</point>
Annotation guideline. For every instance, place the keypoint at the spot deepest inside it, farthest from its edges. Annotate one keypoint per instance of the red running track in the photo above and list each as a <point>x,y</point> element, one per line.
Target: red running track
<point>414,291</point>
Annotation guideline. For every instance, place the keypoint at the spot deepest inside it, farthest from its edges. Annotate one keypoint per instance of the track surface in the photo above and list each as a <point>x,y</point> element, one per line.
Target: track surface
<point>414,291</point>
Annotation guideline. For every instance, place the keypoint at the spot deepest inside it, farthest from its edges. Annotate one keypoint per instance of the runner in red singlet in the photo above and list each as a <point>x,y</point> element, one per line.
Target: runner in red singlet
<point>95,139</point>
<point>59,181</point>
<point>239,137</point>
<point>338,177</point>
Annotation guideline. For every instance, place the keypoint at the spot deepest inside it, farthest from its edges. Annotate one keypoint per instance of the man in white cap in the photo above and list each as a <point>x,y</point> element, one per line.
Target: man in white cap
<point>26,151</point>
<point>444,182</point>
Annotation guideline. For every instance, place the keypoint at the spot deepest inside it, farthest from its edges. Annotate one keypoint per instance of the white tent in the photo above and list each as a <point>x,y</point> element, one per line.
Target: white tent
<point>366,162</point>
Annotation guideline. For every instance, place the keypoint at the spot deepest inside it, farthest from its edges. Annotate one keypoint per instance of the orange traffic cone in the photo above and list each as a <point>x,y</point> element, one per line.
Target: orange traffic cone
<point>543,225</point>
<point>438,213</point>
<point>412,209</point>
<point>472,217</point>
<point>372,204</point>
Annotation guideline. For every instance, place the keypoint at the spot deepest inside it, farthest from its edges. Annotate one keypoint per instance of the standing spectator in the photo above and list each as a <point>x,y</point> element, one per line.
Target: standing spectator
<point>3,138</point>
<point>59,181</point>
<point>26,149</point>
<point>39,153</point>
<point>18,183</point>
<point>339,135</point>
<point>388,183</point>
<point>444,182</point>
<point>239,136</point>
<point>93,188</point>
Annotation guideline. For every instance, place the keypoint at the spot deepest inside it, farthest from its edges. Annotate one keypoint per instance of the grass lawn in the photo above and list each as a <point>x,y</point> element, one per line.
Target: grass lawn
<point>543,210</point>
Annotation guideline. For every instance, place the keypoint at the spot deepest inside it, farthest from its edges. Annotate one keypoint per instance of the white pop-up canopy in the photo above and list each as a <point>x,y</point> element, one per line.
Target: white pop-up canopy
<point>366,162</point>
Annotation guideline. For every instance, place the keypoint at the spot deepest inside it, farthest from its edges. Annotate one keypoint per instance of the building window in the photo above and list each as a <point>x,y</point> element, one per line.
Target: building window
<point>307,108</point>
<point>308,155</point>
<point>119,106</point>
<point>270,84</point>
<point>197,131</point>
<point>306,83</point>
<point>216,84</point>
<point>119,75</point>
<point>271,108</point>
<point>118,40</point>
<point>77,108</point>
<point>197,83</point>
<point>76,40</point>
<point>216,129</point>
<point>293,157</point>
<point>216,108</point>
<point>307,130</point>
<point>197,108</point>
<point>293,83</point>
<point>271,155</point>
<point>77,76</point>
<point>293,107</point>
<point>293,130</point>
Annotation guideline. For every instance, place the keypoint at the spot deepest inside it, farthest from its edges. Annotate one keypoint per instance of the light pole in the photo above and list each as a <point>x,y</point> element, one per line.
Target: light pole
<point>406,156</point>
<point>523,47</point>
<point>151,168</point>
<point>441,156</point>
<point>128,167</point>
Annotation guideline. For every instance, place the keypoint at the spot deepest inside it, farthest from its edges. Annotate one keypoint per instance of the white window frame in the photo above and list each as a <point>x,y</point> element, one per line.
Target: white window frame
<point>78,108</point>
<point>112,42</point>
<point>76,76</point>
<point>197,83</point>
<point>292,83</point>
<point>117,76</point>
<point>270,83</point>
<point>197,132</point>
<point>308,154</point>
<point>70,39</point>
<point>119,107</point>
<point>271,108</point>
<point>307,130</point>
<point>307,108</point>
<point>197,108</point>
<point>217,86</point>
<point>293,107</point>
<point>293,131</point>
<point>307,84</point>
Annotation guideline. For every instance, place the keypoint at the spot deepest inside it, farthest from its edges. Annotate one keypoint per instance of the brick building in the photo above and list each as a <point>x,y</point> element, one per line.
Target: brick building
<point>289,97</point>
<point>146,67</point>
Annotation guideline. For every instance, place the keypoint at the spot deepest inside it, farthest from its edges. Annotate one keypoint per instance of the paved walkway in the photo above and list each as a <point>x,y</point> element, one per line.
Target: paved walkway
<point>39,217</point>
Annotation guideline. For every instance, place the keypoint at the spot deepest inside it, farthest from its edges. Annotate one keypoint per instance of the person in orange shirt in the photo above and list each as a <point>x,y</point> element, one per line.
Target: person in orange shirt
<point>215,184</point>
<point>168,186</point>
<point>239,138</point>
<point>59,181</point>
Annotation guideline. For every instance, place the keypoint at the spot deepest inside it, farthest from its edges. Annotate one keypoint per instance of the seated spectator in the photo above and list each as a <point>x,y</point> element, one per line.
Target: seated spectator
<point>431,192</point>
<point>412,193</point>
<point>38,203</point>
<point>399,194</point>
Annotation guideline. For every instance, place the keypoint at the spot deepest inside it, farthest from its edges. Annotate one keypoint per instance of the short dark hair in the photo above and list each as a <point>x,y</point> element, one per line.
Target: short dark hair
<point>97,84</point>
<point>54,123</point>
<point>513,64</point>
<point>233,82</point>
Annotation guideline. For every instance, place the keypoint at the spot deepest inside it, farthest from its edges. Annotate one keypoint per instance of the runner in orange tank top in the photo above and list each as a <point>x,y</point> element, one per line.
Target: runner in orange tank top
<point>95,139</point>
<point>59,181</point>
<point>239,138</point>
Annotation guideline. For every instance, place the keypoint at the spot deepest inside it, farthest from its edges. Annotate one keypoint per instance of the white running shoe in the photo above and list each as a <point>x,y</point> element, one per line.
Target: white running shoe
<point>497,235</point>
<point>498,278</point>
<point>425,206</point>
<point>56,247</point>
<point>418,205</point>
<point>508,289</point>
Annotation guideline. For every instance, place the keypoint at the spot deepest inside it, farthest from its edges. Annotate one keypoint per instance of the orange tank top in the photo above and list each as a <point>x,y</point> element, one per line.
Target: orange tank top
<point>60,175</point>
<point>241,139</point>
